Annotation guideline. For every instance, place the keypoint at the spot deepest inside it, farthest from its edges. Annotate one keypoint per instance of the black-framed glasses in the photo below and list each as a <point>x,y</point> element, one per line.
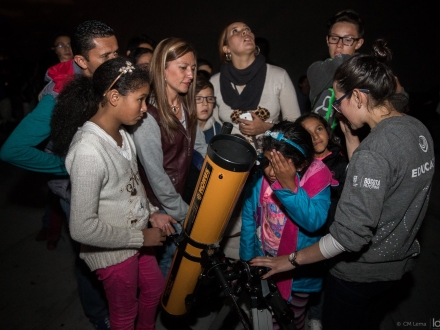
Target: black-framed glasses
<point>347,41</point>
<point>337,104</point>
<point>209,99</point>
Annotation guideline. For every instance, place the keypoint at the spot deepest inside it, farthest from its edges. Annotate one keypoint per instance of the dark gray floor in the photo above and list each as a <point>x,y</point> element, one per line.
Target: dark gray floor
<point>38,289</point>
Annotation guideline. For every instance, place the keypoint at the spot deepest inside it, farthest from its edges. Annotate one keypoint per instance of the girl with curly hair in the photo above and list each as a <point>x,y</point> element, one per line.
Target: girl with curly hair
<point>109,207</point>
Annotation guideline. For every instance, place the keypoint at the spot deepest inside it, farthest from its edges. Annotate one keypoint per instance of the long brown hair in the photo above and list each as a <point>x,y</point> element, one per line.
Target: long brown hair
<point>166,51</point>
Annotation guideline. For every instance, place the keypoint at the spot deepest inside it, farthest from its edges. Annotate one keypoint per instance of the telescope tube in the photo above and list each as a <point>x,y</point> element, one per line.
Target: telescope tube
<point>222,177</point>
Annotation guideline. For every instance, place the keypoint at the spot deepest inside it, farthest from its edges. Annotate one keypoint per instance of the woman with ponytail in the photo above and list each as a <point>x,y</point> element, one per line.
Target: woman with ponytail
<point>110,211</point>
<point>383,202</point>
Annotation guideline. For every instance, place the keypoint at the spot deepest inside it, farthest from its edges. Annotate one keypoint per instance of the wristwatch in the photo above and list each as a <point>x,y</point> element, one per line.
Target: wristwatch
<point>292,259</point>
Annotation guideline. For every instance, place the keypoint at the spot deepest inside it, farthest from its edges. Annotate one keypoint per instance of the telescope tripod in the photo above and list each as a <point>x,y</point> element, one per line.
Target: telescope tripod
<point>264,297</point>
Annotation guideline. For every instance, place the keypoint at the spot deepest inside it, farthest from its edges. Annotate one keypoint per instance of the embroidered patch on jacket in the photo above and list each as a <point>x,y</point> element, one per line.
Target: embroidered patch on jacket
<point>371,183</point>
<point>366,182</point>
<point>423,143</point>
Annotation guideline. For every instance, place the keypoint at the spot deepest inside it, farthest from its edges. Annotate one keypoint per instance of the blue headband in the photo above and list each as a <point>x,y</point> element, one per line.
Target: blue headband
<point>280,137</point>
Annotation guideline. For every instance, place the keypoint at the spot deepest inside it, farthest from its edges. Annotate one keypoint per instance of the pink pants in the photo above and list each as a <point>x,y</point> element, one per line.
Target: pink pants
<point>121,283</point>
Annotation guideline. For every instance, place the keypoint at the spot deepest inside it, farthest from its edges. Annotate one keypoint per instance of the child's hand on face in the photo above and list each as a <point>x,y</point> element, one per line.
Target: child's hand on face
<point>154,236</point>
<point>284,170</point>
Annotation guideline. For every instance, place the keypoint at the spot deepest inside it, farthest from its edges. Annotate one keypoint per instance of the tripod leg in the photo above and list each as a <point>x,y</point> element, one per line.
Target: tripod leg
<point>261,318</point>
<point>222,314</point>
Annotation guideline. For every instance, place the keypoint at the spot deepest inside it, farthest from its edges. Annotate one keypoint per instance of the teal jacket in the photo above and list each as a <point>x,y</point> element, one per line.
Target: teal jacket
<point>308,213</point>
<point>21,148</point>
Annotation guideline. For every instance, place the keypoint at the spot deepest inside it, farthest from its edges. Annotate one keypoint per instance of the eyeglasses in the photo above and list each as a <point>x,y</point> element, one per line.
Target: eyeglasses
<point>209,99</point>
<point>61,45</point>
<point>347,41</point>
<point>337,104</point>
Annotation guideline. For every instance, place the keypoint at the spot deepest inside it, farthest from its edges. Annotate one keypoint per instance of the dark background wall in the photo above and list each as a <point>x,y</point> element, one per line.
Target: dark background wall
<point>295,29</point>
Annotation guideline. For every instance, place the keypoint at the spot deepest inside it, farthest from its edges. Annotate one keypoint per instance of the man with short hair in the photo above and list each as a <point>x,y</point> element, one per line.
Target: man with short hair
<point>93,43</point>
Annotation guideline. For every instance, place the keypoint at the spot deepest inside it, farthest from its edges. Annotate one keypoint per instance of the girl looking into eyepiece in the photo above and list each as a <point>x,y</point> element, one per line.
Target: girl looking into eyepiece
<point>285,206</point>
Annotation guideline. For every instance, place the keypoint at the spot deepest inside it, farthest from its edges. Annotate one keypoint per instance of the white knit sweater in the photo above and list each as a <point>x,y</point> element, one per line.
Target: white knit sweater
<point>109,207</point>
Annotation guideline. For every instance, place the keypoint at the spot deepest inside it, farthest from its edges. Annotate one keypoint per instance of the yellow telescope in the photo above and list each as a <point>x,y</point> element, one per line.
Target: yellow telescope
<point>223,174</point>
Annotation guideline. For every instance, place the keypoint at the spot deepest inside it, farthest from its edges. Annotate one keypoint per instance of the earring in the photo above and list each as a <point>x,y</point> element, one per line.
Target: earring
<point>258,51</point>
<point>228,57</point>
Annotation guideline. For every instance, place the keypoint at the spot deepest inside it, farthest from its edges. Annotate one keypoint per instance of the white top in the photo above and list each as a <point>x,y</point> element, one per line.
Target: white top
<point>109,206</point>
<point>124,150</point>
<point>279,97</point>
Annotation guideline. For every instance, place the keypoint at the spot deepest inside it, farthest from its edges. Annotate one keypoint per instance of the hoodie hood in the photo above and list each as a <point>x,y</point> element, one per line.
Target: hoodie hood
<point>59,75</point>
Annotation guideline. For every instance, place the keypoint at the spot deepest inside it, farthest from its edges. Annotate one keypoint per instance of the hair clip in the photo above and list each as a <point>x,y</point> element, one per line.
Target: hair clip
<point>280,137</point>
<point>123,70</point>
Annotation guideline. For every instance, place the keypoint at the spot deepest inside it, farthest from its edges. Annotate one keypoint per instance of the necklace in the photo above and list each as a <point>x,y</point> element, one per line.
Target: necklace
<point>175,108</point>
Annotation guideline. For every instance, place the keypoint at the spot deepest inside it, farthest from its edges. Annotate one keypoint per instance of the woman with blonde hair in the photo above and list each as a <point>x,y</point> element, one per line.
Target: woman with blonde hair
<point>167,137</point>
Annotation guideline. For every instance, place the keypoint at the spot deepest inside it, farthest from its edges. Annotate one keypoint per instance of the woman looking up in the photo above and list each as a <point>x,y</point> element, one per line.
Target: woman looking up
<point>246,82</point>
<point>249,87</point>
<point>383,202</point>
<point>166,138</point>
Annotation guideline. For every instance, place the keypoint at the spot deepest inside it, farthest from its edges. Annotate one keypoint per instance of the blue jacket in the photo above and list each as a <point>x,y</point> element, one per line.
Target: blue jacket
<point>211,129</point>
<point>308,214</point>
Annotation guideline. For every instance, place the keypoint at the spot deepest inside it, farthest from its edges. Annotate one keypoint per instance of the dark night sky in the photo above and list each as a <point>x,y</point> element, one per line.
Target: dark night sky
<point>295,29</point>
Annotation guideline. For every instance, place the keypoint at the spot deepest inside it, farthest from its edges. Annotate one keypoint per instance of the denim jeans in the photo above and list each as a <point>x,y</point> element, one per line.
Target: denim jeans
<point>352,305</point>
<point>90,290</point>
<point>165,253</point>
